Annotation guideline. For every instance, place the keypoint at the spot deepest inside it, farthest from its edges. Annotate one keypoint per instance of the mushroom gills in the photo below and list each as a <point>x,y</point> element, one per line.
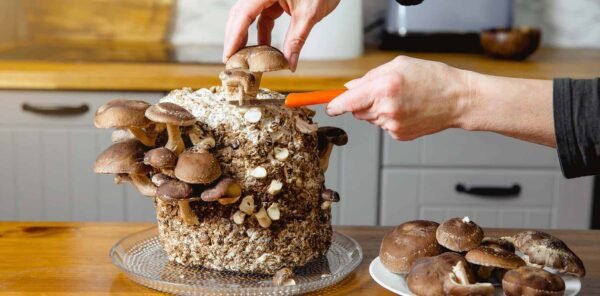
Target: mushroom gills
<point>143,184</point>
<point>458,283</point>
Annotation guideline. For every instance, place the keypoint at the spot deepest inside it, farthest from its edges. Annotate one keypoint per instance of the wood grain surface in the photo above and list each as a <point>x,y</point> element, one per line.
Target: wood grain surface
<point>123,20</point>
<point>311,75</point>
<point>72,258</point>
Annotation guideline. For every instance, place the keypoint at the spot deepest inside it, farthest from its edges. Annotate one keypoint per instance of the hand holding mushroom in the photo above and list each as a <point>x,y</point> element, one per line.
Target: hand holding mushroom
<point>305,14</point>
<point>243,71</point>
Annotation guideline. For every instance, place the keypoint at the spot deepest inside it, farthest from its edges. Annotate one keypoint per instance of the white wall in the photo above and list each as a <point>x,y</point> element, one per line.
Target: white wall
<point>571,23</point>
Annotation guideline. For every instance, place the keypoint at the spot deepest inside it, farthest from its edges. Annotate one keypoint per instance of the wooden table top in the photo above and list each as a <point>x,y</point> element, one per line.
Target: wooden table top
<point>72,258</point>
<point>311,75</point>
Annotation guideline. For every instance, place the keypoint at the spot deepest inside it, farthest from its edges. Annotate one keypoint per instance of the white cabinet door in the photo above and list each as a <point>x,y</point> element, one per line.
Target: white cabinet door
<point>354,170</point>
<point>46,161</point>
<point>545,200</point>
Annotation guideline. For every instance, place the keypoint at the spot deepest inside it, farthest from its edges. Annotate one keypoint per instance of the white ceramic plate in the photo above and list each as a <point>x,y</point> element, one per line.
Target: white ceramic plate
<point>397,283</point>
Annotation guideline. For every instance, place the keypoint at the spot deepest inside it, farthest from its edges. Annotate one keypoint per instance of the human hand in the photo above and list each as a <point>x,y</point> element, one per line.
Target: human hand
<point>304,15</point>
<point>407,97</point>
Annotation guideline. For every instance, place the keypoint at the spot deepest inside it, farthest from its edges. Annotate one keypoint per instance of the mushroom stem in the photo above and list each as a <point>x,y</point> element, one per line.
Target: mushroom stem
<point>324,157</point>
<point>485,272</point>
<point>142,136</point>
<point>460,272</point>
<point>257,79</point>
<point>175,143</point>
<point>143,184</point>
<point>186,213</point>
<point>122,178</point>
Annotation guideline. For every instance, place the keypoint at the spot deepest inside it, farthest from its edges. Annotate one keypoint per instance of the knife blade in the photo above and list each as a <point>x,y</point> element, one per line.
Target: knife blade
<point>293,100</point>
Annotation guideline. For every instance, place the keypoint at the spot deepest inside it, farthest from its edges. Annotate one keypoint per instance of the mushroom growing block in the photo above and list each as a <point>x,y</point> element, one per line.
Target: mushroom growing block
<point>244,152</point>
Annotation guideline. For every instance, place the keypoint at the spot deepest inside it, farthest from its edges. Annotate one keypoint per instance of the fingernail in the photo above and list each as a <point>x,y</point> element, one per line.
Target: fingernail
<point>224,58</point>
<point>352,83</point>
<point>294,61</point>
<point>331,111</point>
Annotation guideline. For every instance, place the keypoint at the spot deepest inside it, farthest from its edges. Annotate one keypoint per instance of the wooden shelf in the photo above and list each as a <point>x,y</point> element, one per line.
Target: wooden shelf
<point>311,75</point>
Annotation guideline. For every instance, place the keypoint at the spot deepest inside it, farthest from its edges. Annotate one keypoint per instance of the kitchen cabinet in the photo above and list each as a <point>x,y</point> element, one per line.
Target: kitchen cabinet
<point>429,179</point>
<point>47,160</point>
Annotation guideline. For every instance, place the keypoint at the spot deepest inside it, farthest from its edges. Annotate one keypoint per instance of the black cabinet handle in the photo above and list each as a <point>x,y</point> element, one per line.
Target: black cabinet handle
<point>57,110</point>
<point>492,192</point>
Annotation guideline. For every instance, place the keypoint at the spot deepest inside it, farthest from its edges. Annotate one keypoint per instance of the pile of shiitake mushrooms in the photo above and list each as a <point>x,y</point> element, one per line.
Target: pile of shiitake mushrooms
<point>456,258</point>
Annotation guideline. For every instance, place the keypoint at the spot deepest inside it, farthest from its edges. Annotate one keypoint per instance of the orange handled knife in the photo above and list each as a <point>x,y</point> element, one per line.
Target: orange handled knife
<point>293,100</point>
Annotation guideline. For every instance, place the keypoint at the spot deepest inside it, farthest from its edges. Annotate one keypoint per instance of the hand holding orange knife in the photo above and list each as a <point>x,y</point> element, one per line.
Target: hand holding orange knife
<point>294,100</point>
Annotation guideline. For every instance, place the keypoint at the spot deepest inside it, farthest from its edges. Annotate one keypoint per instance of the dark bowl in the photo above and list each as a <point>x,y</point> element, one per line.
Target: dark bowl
<point>515,43</point>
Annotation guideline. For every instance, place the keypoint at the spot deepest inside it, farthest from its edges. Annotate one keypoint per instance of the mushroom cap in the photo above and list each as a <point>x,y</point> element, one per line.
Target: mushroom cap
<point>259,58</point>
<point>330,195</point>
<point>532,281</point>
<point>408,242</point>
<point>121,113</point>
<point>159,179</point>
<point>170,113</point>
<point>160,158</point>
<point>331,134</point>
<point>427,275</point>
<point>498,243</point>
<point>197,167</point>
<point>494,257</point>
<point>544,249</point>
<point>225,188</point>
<point>173,190</point>
<point>122,158</point>
<point>459,236</point>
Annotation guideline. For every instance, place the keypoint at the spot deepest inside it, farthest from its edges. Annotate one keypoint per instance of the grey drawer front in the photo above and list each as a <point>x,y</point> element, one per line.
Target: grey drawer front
<point>430,194</point>
<point>13,103</point>
<point>439,187</point>
<point>462,148</point>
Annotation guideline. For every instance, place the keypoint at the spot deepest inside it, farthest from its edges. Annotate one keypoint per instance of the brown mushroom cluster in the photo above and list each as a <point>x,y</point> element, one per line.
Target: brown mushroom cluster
<point>455,258</point>
<point>235,188</point>
<point>155,158</point>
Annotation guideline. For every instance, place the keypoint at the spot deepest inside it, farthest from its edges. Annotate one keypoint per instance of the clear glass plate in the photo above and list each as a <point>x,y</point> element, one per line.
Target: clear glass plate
<point>141,257</point>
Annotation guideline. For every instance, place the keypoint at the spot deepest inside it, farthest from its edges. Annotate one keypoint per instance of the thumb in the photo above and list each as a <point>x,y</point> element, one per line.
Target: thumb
<point>296,36</point>
<point>352,100</point>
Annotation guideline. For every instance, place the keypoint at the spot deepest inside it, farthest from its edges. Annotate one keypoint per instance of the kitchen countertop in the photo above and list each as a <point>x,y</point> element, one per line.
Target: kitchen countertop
<point>142,76</point>
<point>72,258</point>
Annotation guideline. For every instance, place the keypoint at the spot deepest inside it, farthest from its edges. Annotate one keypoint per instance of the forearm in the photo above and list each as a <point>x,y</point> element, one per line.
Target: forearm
<point>518,108</point>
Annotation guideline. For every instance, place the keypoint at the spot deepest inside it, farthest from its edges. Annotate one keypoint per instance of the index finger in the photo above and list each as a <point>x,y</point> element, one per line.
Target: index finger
<point>241,16</point>
<point>352,100</point>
